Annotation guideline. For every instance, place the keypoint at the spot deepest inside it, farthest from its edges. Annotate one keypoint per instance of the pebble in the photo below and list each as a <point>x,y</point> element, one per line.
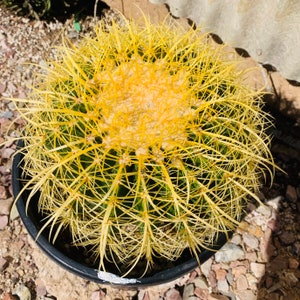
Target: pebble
<point>250,241</point>
<point>201,293</point>
<point>7,153</point>
<point>217,297</point>
<point>242,283</point>
<point>5,206</point>
<point>275,202</point>
<point>9,296</point>
<point>264,210</point>
<point>96,296</point>
<point>206,267</point>
<point>239,270</point>
<point>228,253</point>
<point>3,222</point>
<point>200,282</point>
<point>173,294</point>
<point>41,289</point>
<point>236,239</point>
<point>3,264</point>
<point>188,291</point>
<point>287,237</point>
<point>223,285</point>
<point>246,295</point>
<point>6,114</point>
<point>293,263</point>
<point>3,193</point>
<point>2,87</point>
<point>258,269</point>
<point>291,193</point>
<point>221,274</point>
<point>22,292</point>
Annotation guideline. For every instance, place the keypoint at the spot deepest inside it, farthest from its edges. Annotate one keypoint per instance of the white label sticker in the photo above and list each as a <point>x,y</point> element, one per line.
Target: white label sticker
<point>109,277</point>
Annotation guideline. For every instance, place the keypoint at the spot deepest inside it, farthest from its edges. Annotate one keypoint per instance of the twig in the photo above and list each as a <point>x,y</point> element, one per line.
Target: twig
<point>95,9</point>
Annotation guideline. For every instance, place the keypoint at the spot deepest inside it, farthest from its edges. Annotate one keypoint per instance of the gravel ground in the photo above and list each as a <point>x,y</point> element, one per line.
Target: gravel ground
<point>260,262</point>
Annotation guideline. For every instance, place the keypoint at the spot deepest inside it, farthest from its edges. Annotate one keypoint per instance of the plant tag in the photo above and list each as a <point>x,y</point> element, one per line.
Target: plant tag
<point>112,278</point>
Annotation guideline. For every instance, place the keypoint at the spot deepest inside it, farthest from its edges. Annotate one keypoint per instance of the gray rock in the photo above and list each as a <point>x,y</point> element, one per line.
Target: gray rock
<point>6,114</point>
<point>223,285</point>
<point>188,291</point>
<point>250,240</point>
<point>229,252</point>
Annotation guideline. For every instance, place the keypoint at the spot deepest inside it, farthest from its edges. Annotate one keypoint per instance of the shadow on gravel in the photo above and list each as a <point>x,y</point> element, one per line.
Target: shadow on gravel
<point>60,10</point>
<point>282,275</point>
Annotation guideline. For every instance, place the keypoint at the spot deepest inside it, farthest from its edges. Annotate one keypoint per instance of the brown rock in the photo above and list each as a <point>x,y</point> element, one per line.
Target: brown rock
<point>212,279</point>
<point>274,296</point>
<point>217,297</point>
<point>274,225</point>
<point>3,222</point>
<point>9,296</point>
<point>247,295</point>
<point>293,263</point>
<point>237,263</point>
<point>201,293</point>
<point>4,125</point>
<point>287,237</point>
<point>239,270</point>
<point>269,282</point>
<point>2,87</point>
<point>200,282</point>
<point>41,289</point>
<point>5,206</point>
<point>291,193</point>
<point>279,263</point>
<point>256,231</point>
<point>242,283</point>
<point>252,281</point>
<point>266,247</point>
<point>251,256</point>
<point>173,294</point>
<point>7,152</point>
<point>3,264</point>
<point>3,193</point>
<point>99,295</point>
<point>193,275</point>
<point>221,274</point>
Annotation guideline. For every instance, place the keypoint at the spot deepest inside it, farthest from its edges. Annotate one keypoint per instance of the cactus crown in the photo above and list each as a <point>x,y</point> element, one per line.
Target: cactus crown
<point>144,142</point>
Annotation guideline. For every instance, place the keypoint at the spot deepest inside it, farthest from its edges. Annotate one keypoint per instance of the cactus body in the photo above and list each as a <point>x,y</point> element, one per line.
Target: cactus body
<point>144,142</point>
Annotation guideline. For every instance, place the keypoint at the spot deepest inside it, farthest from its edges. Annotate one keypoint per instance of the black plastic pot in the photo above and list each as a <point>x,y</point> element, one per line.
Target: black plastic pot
<point>33,223</point>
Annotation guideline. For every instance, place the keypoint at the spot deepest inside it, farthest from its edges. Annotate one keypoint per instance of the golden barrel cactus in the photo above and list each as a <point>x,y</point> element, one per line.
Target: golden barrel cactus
<point>143,142</point>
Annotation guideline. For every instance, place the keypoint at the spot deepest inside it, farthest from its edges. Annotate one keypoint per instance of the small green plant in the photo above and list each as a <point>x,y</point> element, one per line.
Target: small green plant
<point>143,142</point>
